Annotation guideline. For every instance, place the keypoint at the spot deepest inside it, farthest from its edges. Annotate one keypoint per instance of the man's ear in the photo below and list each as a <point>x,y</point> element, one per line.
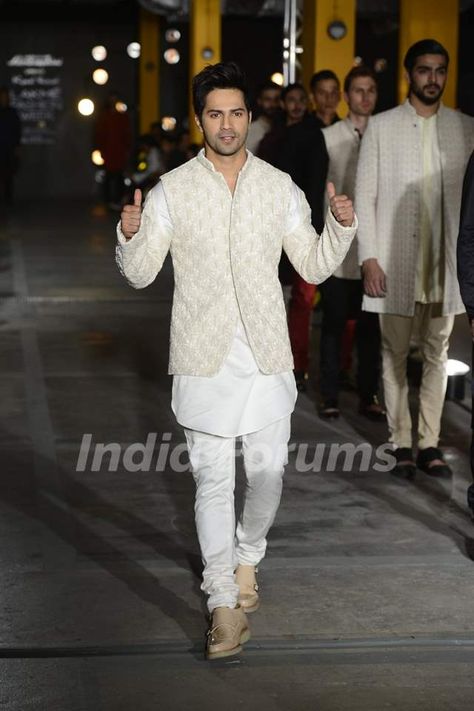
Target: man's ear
<point>198,123</point>
<point>345,97</point>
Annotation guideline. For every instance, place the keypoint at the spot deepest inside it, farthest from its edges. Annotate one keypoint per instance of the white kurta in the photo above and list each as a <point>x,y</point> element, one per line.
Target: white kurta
<point>430,272</point>
<point>239,399</point>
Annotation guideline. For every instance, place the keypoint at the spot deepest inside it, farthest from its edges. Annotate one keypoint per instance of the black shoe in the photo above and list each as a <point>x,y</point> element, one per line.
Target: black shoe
<point>405,467</point>
<point>373,410</point>
<point>329,409</point>
<point>470,500</point>
<point>301,378</point>
<point>428,455</point>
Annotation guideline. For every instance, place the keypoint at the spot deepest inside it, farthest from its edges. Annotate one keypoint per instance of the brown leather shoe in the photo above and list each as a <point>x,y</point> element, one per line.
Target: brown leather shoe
<point>247,582</point>
<point>228,632</point>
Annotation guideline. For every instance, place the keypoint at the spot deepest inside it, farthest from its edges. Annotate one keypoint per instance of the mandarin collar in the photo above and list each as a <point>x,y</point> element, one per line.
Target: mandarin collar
<point>411,109</point>
<point>210,166</point>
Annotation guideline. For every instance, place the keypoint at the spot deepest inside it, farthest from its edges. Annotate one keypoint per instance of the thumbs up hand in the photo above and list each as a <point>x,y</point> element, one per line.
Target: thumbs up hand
<point>131,216</point>
<point>341,206</point>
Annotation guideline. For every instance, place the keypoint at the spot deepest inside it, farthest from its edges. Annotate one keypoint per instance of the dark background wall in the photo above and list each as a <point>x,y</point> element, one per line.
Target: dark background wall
<point>69,31</point>
<point>63,167</point>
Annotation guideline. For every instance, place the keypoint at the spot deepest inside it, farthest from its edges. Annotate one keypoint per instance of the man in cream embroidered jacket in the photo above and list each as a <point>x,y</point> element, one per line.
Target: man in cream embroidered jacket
<point>225,217</point>
<point>225,251</point>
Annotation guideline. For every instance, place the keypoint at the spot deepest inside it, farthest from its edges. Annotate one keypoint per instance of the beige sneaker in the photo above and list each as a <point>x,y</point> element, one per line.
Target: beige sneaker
<point>247,582</point>
<point>229,630</point>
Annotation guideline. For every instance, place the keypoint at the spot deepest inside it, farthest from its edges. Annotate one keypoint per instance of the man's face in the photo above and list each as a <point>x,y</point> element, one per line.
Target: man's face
<point>326,95</point>
<point>295,105</point>
<point>224,122</point>
<point>269,102</point>
<point>428,78</point>
<point>362,96</point>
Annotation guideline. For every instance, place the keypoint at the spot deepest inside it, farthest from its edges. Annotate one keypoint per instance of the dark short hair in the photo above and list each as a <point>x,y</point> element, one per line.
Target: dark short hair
<point>267,86</point>
<point>355,73</point>
<point>290,87</point>
<point>224,75</point>
<point>426,46</point>
<point>323,75</point>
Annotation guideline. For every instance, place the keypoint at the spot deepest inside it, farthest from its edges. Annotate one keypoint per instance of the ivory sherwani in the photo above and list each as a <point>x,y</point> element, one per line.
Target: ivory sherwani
<point>389,189</point>
<point>225,250</point>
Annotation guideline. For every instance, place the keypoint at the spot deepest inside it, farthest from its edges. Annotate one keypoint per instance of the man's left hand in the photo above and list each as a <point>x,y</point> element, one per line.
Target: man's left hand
<point>341,206</point>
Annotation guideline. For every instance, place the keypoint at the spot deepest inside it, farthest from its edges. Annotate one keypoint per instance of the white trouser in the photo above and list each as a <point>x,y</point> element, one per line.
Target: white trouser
<point>223,546</point>
<point>434,332</point>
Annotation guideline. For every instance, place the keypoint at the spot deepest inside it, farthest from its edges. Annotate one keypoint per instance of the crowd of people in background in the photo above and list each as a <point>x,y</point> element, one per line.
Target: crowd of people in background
<point>398,284</point>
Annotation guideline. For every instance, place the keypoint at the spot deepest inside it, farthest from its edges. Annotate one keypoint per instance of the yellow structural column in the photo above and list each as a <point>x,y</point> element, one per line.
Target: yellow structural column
<point>421,20</point>
<point>320,51</point>
<point>205,46</point>
<point>149,70</point>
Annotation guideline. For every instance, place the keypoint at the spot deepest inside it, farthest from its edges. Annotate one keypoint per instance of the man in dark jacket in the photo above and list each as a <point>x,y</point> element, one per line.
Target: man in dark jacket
<point>465,257</point>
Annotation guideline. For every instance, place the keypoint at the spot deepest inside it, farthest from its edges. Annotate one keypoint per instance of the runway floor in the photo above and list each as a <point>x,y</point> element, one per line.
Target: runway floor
<point>368,584</point>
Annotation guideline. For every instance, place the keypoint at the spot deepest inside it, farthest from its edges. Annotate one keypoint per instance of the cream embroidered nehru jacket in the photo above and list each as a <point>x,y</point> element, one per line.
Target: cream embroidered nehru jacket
<point>225,250</point>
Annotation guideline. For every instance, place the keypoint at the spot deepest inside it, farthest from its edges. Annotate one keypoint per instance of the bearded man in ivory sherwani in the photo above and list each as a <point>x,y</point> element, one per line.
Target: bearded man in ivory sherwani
<point>225,217</point>
<point>408,197</point>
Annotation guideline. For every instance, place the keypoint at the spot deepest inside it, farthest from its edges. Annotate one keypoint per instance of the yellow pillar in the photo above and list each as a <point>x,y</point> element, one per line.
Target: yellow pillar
<point>319,50</point>
<point>149,70</point>
<point>205,46</point>
<point>421,20</point>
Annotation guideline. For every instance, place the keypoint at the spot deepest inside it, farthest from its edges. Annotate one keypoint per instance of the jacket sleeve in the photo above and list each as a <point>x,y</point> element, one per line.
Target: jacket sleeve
<point>366,193</point>
<point>140,258</point>
<point>316,257</point>
<point>465,245</point>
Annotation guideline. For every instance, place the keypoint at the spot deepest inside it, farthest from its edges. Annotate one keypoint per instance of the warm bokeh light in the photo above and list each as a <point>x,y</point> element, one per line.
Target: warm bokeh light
<point>99,53</point>
<point>133,50</point>
<point>172,35</point>
<point>168,123</point>
<point>100,76</point>
<point>278,78</point>
<point>97,158</point>
<point>121,107</point>
<point>86,107</point>
<point>172,56</point>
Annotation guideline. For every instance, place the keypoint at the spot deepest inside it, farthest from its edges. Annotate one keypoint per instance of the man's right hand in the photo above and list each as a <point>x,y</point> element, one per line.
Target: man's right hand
<point>131,216</point>
<point>374,278</point>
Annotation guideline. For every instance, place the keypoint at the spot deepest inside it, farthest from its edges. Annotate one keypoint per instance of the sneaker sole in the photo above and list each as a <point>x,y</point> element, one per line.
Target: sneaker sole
<point>244,637</point>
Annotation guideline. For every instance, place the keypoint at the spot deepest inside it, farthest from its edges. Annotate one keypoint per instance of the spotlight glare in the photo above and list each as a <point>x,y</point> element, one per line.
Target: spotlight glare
<point>456,367</point>
<point>172,56</point>
<point>97,157</point>
<point>100,76</point>
<point>172,35</point>
<point>278,78</point>
<point>168,123</point>
<point>99,53</point>
<point>133,50</point>
<point>86,107</point>
<point>121,107</point>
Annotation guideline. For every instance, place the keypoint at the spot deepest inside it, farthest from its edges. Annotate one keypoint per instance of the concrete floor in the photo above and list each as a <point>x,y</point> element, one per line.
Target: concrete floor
<point>368,584</point>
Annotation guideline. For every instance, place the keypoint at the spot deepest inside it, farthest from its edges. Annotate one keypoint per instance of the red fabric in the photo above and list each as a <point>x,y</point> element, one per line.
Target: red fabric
<point>299,320</point>
<point>114,139</point>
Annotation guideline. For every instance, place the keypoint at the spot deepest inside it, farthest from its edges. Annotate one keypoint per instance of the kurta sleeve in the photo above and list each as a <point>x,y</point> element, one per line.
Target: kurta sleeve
<point>465,245</point>
<point>315,257</point>
<point>141,258</point>
<point>366,193</point>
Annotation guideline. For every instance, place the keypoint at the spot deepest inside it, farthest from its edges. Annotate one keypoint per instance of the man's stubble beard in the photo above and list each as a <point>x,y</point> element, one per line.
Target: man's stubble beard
<point>427,100</point>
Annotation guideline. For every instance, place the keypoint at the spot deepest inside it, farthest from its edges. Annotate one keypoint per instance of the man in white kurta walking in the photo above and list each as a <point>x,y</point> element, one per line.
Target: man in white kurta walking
<point>408,195</point>
<point>225,216</point>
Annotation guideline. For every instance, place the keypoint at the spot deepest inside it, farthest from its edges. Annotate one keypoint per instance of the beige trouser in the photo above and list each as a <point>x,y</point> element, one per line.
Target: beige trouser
<point>433,332</point>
